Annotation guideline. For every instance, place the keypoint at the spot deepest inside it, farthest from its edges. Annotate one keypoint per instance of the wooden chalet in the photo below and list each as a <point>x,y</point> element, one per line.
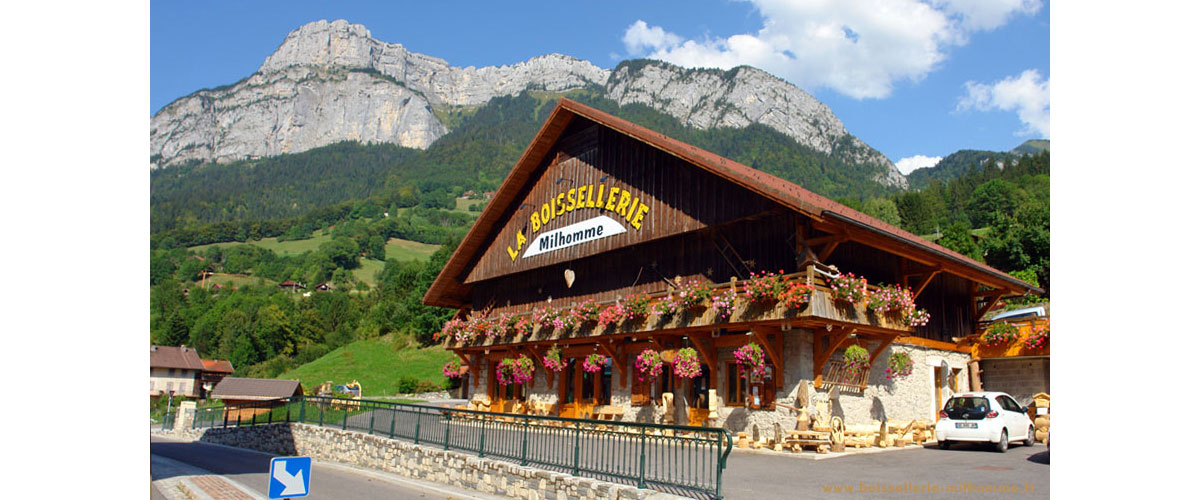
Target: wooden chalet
<point>600,209</point>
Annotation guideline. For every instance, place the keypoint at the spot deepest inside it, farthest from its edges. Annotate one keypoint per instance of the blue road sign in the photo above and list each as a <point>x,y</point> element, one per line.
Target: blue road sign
<point>289,477</point>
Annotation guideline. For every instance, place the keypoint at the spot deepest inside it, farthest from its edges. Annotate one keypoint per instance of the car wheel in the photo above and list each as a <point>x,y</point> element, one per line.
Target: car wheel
<point>945,445</point>
<point>1029,437</point>
<point>1002,446</point>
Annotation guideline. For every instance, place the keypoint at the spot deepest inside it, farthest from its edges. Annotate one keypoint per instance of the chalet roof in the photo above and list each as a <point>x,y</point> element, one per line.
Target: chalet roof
<point>256,388</point>
<point>175,357</point>
<point>448,291</point>
<point>217,366</point>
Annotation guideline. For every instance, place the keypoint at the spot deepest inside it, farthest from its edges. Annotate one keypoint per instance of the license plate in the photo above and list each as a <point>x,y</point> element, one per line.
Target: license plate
<point>966,425</point>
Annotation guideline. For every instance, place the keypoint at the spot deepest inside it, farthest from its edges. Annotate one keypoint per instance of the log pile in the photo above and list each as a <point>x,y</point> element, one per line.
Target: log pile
<point>1041,424</point>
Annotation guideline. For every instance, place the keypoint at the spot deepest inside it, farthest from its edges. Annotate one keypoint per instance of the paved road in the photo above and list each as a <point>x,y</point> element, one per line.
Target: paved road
<point>753,476</point>
<point>248,469</point>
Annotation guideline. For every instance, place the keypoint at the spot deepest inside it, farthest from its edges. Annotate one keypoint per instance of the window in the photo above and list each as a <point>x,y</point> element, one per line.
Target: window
<point>762,390</point>
<point>700,385</point>
<point>170,372</point>
<point>1008,404</point>
<point>735,386</point>
<point>662,384</point>
<point>170,386</point>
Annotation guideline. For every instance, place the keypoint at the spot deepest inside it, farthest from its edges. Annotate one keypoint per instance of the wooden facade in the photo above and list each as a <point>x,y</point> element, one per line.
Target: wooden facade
<point>683,214</point>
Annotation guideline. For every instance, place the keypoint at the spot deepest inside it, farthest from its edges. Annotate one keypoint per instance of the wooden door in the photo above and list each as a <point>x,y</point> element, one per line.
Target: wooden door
<point>937,391</point>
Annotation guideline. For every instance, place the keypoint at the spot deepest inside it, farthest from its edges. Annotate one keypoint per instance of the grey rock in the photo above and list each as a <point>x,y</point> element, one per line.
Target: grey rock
<point>331,81</point>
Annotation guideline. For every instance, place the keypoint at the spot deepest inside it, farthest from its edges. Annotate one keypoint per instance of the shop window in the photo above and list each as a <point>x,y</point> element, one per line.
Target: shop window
<point>762,390</point>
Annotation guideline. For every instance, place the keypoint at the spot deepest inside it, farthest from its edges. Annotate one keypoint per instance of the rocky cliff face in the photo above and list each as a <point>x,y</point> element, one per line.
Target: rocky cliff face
<point>330,82</point>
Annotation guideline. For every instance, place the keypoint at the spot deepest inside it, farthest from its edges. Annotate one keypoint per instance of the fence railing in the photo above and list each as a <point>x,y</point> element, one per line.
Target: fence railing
<point>676,459</point>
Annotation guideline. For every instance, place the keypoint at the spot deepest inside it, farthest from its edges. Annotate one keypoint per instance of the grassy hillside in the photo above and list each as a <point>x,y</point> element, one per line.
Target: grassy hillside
<point>375,364</point>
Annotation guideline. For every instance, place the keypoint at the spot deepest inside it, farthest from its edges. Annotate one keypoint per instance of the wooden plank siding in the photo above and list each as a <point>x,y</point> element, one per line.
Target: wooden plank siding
<point>680,197</point>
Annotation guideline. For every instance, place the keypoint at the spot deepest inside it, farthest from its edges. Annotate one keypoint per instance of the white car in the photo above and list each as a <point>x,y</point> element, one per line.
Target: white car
<point>991,417</point>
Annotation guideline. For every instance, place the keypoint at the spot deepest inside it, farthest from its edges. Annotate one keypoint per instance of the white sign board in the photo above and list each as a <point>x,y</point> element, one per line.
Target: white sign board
<point>580,232</point>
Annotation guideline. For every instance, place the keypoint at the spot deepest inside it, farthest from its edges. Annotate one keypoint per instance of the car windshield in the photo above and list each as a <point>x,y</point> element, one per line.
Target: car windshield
<point>968,404</point>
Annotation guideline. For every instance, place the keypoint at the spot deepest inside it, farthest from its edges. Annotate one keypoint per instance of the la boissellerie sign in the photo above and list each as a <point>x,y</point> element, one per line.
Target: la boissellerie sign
<point>619,202</point>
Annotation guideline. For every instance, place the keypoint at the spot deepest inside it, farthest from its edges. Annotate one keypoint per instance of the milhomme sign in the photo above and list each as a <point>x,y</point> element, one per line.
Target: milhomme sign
<point>619,202</point>
<point>574,234</point>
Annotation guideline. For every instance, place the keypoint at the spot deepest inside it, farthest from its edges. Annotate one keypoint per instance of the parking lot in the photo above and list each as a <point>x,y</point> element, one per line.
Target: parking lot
<point>963,471</point>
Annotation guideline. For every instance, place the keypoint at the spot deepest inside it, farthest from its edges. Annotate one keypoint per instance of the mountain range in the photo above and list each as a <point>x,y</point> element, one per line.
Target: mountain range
<point>330,82</point>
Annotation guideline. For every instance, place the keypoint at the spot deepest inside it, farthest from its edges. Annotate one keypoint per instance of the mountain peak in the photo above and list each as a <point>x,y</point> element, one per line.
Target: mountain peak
<point>329,43</point>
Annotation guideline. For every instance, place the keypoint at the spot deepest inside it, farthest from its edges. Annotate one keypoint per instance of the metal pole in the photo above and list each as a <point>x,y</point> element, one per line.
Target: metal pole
<point>447,420</point>
<point>642,462</point>
<point>392,428</point>
<point>482,427</point>
<point>371,429</point>
<point>525,443</point>
<point>417,433</point>
<point>577,432</point>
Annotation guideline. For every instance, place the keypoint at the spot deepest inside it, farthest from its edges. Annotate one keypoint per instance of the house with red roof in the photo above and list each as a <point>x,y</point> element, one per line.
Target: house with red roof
<point>609,245</point>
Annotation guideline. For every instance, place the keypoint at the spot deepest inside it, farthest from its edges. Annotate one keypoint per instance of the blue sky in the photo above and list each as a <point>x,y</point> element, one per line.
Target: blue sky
<point>911,78</point>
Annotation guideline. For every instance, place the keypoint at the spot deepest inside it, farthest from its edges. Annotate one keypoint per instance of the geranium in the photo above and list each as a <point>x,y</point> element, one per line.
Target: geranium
<point>451,369</point>
<point>613,314</point>
<point>765,287</point>
<point>566,319</point>
<point>723,304</point>
<point>664,307</point>
<point>999,333</point>
<point>649,364</point>
<point>514,371</point>
<point>479,326</point>
<point>519,325</point>
<point>587,310</point>
<point>545,317</point>
<point>553,359</point>
<point>452,329</point>
<point>687,364</point>
<point>849,288</point>
<point>856,359</point>
<point>750,357</point>
<point>692,294</point>
<point>498,327</point>
<point>890,298</point>
<point>795,295</point>
<point>915,317</point>
<point>594,362</point>
<point>638,306</point>
<point>900,365</point>
<point>1038,338</point>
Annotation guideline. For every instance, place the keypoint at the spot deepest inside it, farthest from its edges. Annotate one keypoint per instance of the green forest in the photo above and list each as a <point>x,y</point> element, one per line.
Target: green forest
<point>358,197</point>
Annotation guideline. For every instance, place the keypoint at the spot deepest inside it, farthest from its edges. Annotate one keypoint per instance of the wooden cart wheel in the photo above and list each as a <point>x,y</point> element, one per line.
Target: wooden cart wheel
<point>839,430</point>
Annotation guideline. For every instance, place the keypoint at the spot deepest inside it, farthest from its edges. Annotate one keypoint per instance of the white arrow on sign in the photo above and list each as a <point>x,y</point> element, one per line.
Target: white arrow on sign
<point>293,484</point>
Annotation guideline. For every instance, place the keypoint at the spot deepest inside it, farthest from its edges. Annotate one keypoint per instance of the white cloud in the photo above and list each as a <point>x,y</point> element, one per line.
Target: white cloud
<point>907,165</point>
<point>1027,94</point>
<point>980,15</point>
<point>859,48</point>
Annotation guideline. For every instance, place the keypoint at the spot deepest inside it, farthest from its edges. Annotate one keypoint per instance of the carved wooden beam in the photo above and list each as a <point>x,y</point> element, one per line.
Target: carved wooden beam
<point>610,352</point>
<point>928,280</point>
<point>705,350</point>
<point>883,344</point>
<point>821,356</point>
<point>988,305</point>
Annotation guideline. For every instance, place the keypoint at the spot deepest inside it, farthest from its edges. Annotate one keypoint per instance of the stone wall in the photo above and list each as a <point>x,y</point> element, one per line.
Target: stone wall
<point>1020,378</point>
<point>419,462</point>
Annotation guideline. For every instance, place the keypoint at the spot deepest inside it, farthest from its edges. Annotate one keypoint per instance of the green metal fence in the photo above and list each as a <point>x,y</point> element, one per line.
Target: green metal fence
<point>676,459</point>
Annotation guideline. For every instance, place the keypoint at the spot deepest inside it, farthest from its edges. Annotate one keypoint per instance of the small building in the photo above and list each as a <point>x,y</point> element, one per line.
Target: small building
<point>239,390</point>
<point>324,287</point>
<point>599,210</point>
<point>214,371</point>
<point>291,285</point>
<point>1019,367</point>
<point>175,370</point>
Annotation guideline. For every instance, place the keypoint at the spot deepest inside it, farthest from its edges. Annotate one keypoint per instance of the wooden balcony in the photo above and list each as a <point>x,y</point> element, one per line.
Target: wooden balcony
<point>1025,327</point>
